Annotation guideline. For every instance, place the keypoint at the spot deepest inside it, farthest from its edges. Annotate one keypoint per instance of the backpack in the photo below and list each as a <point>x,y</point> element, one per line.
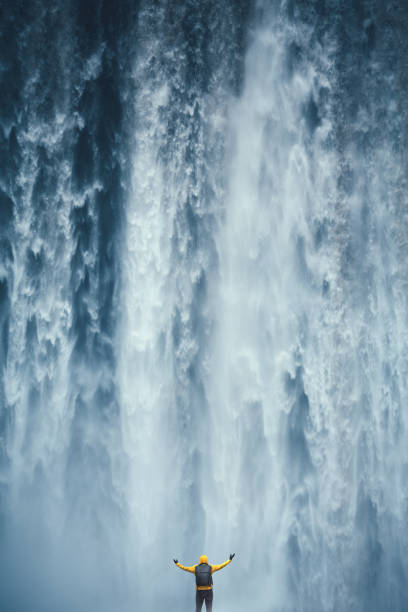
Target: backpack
<point>203,575</point>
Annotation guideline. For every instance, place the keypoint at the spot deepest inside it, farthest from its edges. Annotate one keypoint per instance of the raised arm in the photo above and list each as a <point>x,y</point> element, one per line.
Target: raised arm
<point>215,568</point>
<point>183,567</point>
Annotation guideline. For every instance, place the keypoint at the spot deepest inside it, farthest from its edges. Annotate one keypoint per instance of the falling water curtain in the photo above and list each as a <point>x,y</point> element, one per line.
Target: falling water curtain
<point>203,291</point>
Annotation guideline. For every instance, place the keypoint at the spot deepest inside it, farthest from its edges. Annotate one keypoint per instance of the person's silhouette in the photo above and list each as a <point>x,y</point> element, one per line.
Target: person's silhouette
<point>203,574</point>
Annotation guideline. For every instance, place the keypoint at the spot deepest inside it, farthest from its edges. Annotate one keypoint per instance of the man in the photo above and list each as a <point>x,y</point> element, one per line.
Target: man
<point>203,575</point>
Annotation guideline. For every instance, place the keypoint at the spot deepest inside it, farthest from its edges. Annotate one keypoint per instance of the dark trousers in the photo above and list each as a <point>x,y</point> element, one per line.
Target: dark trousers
<point>200,596</point>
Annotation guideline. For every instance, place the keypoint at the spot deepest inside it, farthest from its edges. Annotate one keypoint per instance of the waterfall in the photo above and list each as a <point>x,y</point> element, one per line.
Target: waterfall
<point>203,299</point>
<point>308,380</point>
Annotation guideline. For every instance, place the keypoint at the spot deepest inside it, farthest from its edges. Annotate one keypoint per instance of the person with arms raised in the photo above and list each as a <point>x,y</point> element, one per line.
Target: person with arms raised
<point>203,574</point>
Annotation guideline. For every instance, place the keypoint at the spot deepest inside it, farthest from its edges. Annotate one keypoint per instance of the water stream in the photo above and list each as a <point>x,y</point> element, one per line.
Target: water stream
<point>203,304</point>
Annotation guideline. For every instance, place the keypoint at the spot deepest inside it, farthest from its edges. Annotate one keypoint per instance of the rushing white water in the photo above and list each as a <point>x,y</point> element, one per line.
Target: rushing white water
<point>309,361</point>
<point>203,305</point>
<point>167,256</point>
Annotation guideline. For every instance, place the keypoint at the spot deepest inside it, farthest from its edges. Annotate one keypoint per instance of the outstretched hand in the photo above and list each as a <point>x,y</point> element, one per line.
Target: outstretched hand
<point>175,561</point>
<point>232,555</point>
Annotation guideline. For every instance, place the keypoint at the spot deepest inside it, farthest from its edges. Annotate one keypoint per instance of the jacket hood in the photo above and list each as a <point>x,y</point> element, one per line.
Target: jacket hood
<point>203,559</point>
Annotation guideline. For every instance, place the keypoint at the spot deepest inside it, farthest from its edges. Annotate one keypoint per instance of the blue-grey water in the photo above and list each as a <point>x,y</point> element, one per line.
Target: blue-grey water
<point>203,304</point>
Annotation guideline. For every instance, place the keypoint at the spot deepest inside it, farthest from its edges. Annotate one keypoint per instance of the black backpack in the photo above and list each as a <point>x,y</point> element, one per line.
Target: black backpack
<point>203,575</point>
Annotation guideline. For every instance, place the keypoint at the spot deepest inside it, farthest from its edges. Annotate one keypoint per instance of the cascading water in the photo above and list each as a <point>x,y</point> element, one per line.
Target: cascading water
<point>203,304</point>
<point>308,362</point>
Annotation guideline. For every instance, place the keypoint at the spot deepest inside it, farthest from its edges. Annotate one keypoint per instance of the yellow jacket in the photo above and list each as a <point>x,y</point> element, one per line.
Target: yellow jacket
<point>214,568</point>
